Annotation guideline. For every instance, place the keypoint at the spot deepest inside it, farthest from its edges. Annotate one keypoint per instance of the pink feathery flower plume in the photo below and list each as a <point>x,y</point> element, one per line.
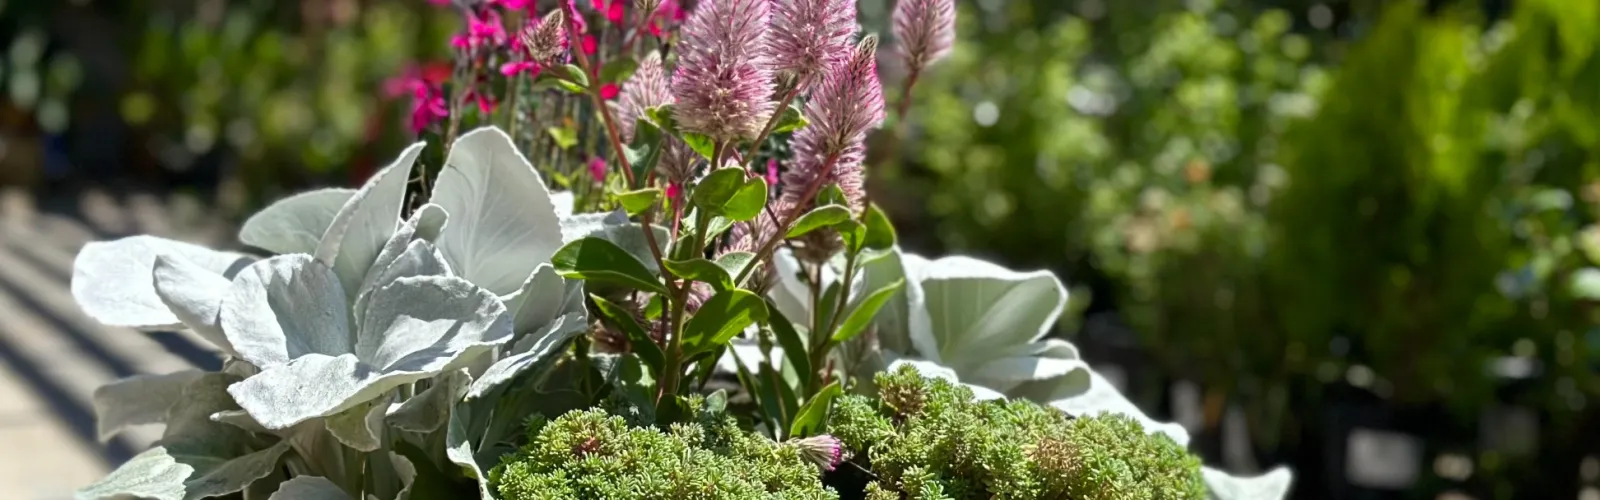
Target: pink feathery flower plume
<point>546,40</point>
<point>926,29</point>
<point>723,85</point>
<point>646,89</point>
<point>847,102</point>
<point>810,36</point>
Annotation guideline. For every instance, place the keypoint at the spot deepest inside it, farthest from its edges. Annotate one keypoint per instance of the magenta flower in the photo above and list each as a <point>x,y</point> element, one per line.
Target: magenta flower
<point>723,85</point>
<point>926,29</point>
<point>517,5</point>
<point>772,172</point>
<point>646,89</point>
<point>615,12</point>
<point>847,102</point>
<point>545,41</point>
<point>810,36</point>
<point>609,91</point>
<point>427,108</point>
<point>673,190</point>
<point>514,68</point>
<point>590,45</point>
<point>597,169</point>
<point>483,31</point>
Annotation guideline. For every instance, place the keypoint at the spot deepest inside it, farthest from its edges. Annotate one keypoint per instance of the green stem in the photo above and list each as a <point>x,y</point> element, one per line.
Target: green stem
<point>765,250</point>
<point>772,123</point>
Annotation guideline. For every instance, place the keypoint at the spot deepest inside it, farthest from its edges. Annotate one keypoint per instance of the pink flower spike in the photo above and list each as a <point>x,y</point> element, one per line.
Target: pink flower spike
<point>925,29</point>
<point>597,169</point>
<point>546,40</point>
<point>810,36</point>
<point>824,450</point>
<point>847,102</point>
<point>723,84</point>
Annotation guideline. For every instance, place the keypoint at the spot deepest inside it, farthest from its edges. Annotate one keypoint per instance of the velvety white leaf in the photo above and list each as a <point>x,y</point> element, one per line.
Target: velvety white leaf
<point>543,298</point>
<point>461,448</point>
<point>935,370</point>
<point>360,427</point>
<point>575,226</point>
<point>194,294</point>
<point>313,386</point>
<point>294,224</point>
<point>309,488</point>
<point>1053,348</point>
<point>537,348</point>
<point>976,308</point>
<point>422,324</point>
<point>1273,485</point>
<point>1103,397</point>
<point>138,400</point>
<point>563,202</point>
<point>430,409</point>
<point>153,474</point>
<point>420,258</point>
<point>240,419</point>
<point>112,280</point>
<point>892,321</point>
<point>503,223</point>
<point>365,222</point>
<point>285,307</point>
<point>429,220</point>
<point>1003,374</point>
<point>233,475</point>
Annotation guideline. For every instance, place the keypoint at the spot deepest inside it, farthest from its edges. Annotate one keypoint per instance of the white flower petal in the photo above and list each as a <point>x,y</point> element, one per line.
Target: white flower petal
<point>285,307</point>
<point>294,224</point>
<point>112,281</point>
<point>503,222</point>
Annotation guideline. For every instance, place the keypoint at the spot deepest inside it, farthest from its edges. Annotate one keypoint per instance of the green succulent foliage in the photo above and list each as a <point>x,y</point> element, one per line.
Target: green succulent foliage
<point>591,454</point>
<point>926,438</point>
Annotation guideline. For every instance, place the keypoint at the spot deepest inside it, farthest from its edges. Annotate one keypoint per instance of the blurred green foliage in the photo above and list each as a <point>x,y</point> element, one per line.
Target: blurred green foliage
<point>1274,206</point>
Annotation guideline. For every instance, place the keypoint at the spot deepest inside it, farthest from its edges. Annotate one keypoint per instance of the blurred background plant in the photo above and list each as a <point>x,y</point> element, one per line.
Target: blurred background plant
<point>1314,211</point>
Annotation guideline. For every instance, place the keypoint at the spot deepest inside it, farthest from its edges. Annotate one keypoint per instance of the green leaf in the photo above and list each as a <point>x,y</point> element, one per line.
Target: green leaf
<point>700,144</point>
<point>717,402</point>
<point>684,248</point>
<point>820,217</point>
<point>574,74</point>
<point>636,202</point>
<point>663,117</point>
<point>714,191</point>
<point>811,417</point>
<point>595,259</point>
<point>831,195</point>
<point>652,310</point>
<point>565,137</point>
<point>748,202</point>
<point>618,70</point>
<point>619,317</point>
<point>721,318</point>
<point>794,349</point>
<point>718,225</point>
<point>733,262</point>
<point>823,315</point>
<point>858,319</point>
<point>766,401</point>
<point>792,120</point>
<point>854,234</point>
<point>880,232</point>
<point>702,270</point>
<point>645,151</point>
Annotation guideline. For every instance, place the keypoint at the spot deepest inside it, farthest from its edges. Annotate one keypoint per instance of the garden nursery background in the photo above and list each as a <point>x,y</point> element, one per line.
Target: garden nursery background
<point>1354,237</point>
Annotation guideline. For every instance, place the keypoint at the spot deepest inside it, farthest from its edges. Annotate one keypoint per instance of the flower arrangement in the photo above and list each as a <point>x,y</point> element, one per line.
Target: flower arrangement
<point>455,327</point>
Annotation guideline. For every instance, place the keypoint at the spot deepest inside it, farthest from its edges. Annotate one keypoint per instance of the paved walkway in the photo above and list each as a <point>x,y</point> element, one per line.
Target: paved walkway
<point>52,356</point>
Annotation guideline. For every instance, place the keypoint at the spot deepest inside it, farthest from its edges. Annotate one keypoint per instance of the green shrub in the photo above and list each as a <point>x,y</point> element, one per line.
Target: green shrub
<point>593,454</point>
<point>927,438</point>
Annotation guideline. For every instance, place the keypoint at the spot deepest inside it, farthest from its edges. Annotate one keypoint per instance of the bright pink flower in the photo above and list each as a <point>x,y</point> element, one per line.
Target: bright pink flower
<point>847,102</point>
<point>427,107</point>
<point>609,91</point>
<point>772,172</point>
<point>673,190</point>
<point>614,12</point>
<point>724,85</point>
<point>597,169</point>
<point>517,5</point>
<point>810,36</point>
<point>483,31</point>
<point>926,29</point>
<point>590,45</point>
<point>515,67</point>
<point>598,4</point>
<point>486,102</point>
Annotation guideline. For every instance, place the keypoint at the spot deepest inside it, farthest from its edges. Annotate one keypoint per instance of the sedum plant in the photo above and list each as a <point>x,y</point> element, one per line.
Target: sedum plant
<point>927,438</point>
